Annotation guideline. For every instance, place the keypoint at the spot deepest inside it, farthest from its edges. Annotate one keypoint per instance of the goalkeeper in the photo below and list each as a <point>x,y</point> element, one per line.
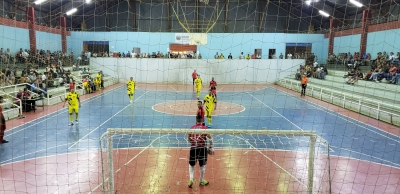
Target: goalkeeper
<point>73,105</point>
<point>198,151</point>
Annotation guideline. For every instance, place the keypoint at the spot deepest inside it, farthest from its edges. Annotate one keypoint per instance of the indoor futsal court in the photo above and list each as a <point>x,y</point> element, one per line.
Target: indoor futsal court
<point>109,97</point>
<point>51,157</point>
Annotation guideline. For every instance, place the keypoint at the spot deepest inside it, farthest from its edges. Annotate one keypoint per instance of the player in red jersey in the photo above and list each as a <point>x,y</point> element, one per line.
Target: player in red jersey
<point>194,76</point>
<point>199,152</point>
<point>213,87</point>
<point>201,111</point>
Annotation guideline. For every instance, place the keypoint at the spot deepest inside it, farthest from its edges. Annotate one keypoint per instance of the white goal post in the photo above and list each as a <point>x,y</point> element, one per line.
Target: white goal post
<point>107,143</point>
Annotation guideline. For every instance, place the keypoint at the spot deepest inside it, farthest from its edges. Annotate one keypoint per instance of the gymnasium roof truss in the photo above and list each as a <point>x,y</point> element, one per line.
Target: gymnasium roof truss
<point>338,9</point>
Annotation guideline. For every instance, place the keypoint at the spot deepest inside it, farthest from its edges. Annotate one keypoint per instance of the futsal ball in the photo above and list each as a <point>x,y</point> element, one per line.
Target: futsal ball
<point>211,151</point>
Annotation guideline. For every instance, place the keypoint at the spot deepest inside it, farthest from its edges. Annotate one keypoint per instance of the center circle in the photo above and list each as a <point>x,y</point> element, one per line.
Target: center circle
<point>189,108</point>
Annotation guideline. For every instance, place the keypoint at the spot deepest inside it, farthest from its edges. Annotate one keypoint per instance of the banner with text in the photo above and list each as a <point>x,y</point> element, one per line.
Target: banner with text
<point>182,38</point>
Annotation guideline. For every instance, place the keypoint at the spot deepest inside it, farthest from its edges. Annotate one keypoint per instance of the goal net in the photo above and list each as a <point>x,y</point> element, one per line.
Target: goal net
<point>156,159</point>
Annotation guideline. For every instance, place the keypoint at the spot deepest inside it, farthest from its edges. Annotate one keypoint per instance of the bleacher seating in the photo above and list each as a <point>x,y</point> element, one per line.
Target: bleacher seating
<point>11,112</point>
<point>377,100</point>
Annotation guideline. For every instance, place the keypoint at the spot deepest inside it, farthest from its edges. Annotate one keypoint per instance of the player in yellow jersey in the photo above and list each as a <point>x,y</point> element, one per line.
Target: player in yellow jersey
<point>73,105</point>
<point>131,88</point>
<point>211,104</point>
<point>97,82</point>
<point>98,76</point>
<point>199,85</point>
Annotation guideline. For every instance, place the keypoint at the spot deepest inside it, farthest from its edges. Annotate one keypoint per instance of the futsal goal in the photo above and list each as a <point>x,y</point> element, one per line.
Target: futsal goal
<point>156,160</point>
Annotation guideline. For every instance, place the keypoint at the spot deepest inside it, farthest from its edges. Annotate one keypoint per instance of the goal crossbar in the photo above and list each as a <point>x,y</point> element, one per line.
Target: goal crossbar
<point>152,131</point>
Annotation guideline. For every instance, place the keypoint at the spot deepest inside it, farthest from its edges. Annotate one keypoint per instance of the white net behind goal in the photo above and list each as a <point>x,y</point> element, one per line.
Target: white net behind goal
<point>277,160</point>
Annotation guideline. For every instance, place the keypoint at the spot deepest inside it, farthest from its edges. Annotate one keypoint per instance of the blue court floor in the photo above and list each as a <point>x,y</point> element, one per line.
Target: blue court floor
<point>268,108</point>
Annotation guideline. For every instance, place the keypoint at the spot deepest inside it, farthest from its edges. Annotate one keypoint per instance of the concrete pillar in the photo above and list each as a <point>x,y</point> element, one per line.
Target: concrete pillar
<point>63,27</point>
<point>333,25</point>
<point>30,14</point>
<point>366,21</point>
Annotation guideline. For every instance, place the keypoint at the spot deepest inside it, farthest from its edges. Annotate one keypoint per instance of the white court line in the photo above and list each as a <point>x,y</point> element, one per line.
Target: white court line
<point>105,122</point>
<point>61,112</point>
<point>347,120</point>
<point>174,89</point>
<point>368,156</point>
<point>134,157</point>
<point>220,89</point>
<point>244,108</point>
<point>275,111</point>
<point>165,115</point>
<point>268,158</point>
<point>3,162</point>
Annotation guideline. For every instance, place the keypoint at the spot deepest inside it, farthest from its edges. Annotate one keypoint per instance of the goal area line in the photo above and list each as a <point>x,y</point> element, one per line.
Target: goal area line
<point>120,159</point>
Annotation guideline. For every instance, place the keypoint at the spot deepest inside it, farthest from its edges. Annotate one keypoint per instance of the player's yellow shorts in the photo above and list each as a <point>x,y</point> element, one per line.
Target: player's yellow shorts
<point>198,89</point>
<point>209,111</point>
<point>72,109</point>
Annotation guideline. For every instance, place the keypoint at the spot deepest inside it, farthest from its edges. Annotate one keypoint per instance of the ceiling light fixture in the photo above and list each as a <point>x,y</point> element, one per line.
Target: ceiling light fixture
<point>356,3</point>
<point>70,12</point>
<point>323,13</point>
<point>39,2</point>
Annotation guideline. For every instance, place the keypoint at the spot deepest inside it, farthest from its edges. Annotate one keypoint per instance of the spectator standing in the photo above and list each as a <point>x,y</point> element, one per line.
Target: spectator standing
<point>2,123</point>
<point>241,56</point>
<point>230,56</point>
<point>304,81</point>
<point>88,54</point>
<point>102,79</point>
<point>216,56</point>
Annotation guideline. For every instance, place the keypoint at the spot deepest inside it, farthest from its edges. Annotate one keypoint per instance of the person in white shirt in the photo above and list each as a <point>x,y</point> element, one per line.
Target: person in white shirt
<point>289,56</point>
<point>315,64</point>
<point>43,78</point>
<point>216,56</point>
<point>25,54</point>
<point>391,57</point>
<point>241,56</point>
<point>88,55</point>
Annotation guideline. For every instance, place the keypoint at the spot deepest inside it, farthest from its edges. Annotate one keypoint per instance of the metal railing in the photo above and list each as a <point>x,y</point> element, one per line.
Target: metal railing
<point>12,101</point>
<point>345,97</point>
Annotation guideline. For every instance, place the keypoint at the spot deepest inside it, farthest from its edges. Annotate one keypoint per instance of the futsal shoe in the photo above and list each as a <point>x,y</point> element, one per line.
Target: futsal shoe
<point>203,183</point>
<point>4,141</point>
<point>190,183</point>
<point>70,124</point>
<point>76,121</point>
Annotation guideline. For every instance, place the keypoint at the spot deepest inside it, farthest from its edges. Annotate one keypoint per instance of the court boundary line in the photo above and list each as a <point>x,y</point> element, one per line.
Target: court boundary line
<point>224,84</point>
<point>56,114</point>
<point>193,115</point>
<point>275,111</point>
<point>248,149</point>
<point>366,155</point>
<point>343,117</point>
<point>44,149</point>
<point>174,89</point>
<point>152,107</point>
<point>134,157</point>
<point>276,164</point>
<point>90,132</point>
